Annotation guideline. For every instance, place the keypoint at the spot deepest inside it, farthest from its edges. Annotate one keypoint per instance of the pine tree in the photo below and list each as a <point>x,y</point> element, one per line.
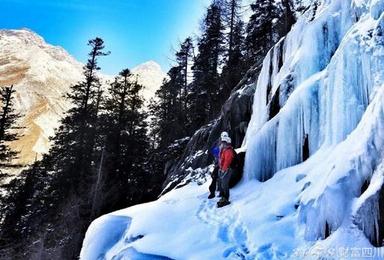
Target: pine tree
<point>76,137</point>
<point>64,176</point>
<point>184,59</point>
<point>8,118</point>
<point>232,20</point>
<point>261,30</point>
<point>18,205</point>
<point>269,22</point>
<point>288,18</point>
<point>205,88</point>
<point>168,109</point>
<point>170,113</point>
<point>126,145</point>
<point>86,99</point>
<point>234,68</point>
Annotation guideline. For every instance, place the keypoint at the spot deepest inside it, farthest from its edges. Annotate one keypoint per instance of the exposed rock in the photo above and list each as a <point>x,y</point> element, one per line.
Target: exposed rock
<point>234,118</point>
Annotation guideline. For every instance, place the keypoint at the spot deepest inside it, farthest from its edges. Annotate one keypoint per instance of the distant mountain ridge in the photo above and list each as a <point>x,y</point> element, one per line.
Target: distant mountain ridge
<point>41,75</point>
<point>151,76</point>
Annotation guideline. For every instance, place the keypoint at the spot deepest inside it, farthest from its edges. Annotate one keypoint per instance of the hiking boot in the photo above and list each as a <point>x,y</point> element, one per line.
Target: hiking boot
<point>211,196</point>
<point>223,203</point>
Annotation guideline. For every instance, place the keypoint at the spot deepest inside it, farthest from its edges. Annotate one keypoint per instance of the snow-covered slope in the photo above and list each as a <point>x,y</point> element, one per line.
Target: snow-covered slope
<point>314,173</point>
<point>42,74</point>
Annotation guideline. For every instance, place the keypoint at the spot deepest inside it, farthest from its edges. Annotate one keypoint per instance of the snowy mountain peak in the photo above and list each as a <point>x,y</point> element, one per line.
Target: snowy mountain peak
<point>149,66</point>
<point>26,39</point>
<point>24,34</point>
<point>150,75</point>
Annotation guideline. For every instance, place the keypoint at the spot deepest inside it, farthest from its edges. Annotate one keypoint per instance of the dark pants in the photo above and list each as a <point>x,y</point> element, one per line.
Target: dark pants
<point>214,184</point>
<point>224,178</point>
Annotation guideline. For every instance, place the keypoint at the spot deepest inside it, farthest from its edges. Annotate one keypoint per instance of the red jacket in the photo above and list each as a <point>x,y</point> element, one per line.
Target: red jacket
<point>226,157</point>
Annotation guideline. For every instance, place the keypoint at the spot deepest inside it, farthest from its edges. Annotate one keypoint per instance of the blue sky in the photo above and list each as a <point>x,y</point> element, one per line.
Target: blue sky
<point>134,31</point>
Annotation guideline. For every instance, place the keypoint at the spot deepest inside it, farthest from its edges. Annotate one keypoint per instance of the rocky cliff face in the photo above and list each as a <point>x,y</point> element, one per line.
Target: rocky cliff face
<point>234,118</point>
<point>41,75</point>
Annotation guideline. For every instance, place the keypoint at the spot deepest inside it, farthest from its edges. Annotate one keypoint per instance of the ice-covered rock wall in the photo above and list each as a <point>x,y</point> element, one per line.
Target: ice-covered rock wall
<point>323,74</point>
<point>319,95</point>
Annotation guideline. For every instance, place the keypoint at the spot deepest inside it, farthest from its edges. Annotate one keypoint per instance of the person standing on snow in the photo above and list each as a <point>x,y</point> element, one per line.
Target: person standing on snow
<point>226,157</point>
<point>214,175</point>
<point>215,151</point>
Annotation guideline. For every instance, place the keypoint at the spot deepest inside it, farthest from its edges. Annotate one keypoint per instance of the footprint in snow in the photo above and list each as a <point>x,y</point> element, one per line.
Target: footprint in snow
<point>230,229</point>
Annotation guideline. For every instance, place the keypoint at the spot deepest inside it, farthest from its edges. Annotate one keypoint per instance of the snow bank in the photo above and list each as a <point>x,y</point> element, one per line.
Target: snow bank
<point>103,234</point>
<point>260,223</point>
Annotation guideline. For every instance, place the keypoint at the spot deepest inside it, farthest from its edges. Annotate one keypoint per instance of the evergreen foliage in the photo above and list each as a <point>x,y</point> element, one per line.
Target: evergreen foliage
<point>8,127</point>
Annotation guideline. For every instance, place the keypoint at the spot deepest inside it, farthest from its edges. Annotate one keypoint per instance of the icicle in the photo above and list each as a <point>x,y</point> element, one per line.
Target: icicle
<point>327,112</point>
<point>260,100</point>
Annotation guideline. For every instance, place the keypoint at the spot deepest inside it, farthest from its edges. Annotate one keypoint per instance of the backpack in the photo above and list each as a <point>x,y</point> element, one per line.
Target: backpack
<point>235,161</point>
<point>237,168</point>
<point>215,151</point>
